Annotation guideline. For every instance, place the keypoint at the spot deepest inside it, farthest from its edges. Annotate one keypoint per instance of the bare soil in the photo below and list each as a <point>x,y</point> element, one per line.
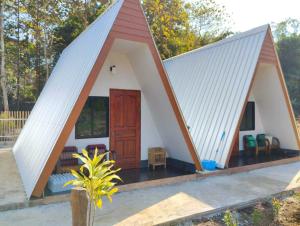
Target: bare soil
<point>262,214</point>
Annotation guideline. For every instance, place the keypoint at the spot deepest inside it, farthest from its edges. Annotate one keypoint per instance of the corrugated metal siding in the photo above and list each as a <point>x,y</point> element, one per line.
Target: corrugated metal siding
<point>211,85</point>
<point>58,97</point>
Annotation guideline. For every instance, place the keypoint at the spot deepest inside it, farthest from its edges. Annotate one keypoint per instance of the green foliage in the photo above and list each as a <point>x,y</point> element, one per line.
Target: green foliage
<point>6,123</point>
<point>79,17</point>
<point>229,219</point>
<point>178,26</point>
<point>257,216</point>
<point>36,32</point>
<point>286,28</point>
<point>169,23</point>
<point>276,205</point>
<point>97,177</point>
<point>210,21</point>
<point>287,34</point>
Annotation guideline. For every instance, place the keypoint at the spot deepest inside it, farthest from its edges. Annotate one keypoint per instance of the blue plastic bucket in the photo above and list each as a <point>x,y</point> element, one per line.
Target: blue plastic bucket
<point>209,164</point>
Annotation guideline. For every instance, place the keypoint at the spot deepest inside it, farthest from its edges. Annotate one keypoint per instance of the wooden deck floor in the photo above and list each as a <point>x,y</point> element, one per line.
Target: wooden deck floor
<point>244,159</point>
<point>145,174</point>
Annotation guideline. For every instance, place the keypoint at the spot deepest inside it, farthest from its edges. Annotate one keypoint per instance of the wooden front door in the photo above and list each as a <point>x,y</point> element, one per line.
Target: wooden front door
<point>125,127</point>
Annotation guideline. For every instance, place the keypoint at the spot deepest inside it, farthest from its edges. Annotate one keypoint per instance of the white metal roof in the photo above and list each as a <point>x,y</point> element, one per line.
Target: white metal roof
<point>58,98</point>
<point>211,85</point>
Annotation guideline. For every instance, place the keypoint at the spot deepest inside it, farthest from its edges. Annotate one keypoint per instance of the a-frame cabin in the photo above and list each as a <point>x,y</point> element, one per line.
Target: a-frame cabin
<point>114,58</point>
<point>232,88</point>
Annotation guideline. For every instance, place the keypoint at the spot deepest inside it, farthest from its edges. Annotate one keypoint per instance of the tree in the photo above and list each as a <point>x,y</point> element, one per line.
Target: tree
<point>3,79</point>
<point>287,34</point>
<point>36,32</point>
<point>286,28</point>
<point>210,21</point>
<point>178,26</point>
<point>42,17</point>
<point>80,14</point>
<point>169,24</point>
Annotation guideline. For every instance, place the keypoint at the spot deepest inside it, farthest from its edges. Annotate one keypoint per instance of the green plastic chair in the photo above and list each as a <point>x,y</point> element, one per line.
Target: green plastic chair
<point>249,142</point>
<point>259,144</point>
<point>263,143</point>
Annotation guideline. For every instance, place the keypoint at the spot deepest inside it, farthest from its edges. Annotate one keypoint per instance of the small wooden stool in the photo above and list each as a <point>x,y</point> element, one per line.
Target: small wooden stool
<point>157,157</point>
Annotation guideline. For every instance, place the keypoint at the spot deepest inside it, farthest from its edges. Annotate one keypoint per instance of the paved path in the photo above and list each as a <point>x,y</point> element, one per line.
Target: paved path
<point>160,204</point>
<point>11,188</point>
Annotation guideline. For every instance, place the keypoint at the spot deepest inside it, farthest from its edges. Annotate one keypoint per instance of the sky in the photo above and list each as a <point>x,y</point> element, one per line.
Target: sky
<point>247,14</point>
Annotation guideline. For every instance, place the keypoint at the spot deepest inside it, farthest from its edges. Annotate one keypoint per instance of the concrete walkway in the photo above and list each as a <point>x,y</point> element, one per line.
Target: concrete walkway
<point>11,188</point>
<point>167,203</point>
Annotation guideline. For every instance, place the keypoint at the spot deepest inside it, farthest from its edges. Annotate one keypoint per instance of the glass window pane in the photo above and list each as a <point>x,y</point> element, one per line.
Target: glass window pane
<point>83,125</point>
<point>248,121</point>
<point>100,117</point>
<point>93,120</point>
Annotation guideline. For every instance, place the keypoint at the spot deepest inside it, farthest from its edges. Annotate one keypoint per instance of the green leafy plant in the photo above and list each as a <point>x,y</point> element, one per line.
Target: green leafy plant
<point>276,205</point>
<point>229,219</point>
<point>257,216</point>
<point>5,122</point>
<point>98,178</point>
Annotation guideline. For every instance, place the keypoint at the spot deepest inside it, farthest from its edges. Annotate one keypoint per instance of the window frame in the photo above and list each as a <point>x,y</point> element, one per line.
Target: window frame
<point>253,109</point>
<point>90,101</point>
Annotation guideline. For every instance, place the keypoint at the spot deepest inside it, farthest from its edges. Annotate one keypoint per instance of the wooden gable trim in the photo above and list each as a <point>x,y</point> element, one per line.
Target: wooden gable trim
<point>285,90</point>
<point>237,130</point>
<point>129,32</point>
<point>174,103</point>
<point>53,158</point>
<point>139,31</point>
<point>268,55</point>
<point>131,35</point>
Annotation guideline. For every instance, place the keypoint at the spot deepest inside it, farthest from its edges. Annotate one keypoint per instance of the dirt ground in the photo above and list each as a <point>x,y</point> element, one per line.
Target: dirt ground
<point>262,214</point>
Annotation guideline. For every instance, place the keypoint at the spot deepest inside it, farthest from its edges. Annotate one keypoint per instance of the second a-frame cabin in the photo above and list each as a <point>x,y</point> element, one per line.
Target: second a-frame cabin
<point>109,89</point>
<point>234,99</point>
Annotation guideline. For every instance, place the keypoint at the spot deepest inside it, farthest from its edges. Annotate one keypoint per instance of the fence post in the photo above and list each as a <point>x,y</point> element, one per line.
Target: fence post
<point>79,203</point>
<point>11,124</point>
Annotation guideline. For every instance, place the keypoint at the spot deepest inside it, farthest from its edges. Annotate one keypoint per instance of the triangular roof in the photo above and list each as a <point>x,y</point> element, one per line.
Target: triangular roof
<point>62,99</point>
<point>213,83</point>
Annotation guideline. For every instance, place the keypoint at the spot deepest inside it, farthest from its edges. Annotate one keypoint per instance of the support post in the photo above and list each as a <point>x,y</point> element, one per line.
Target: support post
<point>79,204</point>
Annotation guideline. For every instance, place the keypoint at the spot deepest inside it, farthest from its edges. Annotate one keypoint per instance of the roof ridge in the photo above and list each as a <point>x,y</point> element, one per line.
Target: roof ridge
<point>235,37</point>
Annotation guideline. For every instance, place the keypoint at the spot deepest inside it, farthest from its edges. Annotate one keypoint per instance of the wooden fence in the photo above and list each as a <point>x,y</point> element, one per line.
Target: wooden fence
<point>11,124</point>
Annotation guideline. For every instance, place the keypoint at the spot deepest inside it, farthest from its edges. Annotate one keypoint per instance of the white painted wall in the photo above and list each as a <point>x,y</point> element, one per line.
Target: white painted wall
<point>161,109</point>
<point>273,109</point>
<point>125,78</point>
<point>259,128</point>
<point>271,114</point>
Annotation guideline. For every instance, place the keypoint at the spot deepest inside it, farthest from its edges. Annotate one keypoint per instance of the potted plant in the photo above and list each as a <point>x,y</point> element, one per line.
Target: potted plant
<point>97,177</point>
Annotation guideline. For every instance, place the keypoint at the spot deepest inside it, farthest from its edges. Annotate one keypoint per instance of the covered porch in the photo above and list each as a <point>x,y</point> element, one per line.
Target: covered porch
<point>266,131</point>
<point>127,113</point>
<point>246,158</point>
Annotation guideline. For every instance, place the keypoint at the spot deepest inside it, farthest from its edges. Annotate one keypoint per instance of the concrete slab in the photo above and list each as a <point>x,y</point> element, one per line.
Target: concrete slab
<point>11,188</point>
<point>170,202</point>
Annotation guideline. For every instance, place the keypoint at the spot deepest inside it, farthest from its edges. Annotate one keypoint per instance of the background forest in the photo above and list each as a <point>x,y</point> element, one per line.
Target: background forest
<point>33,34</point>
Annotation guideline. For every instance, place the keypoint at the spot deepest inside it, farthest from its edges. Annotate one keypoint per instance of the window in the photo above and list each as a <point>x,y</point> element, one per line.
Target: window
<point>93,120</point>
<point>248,121</point>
